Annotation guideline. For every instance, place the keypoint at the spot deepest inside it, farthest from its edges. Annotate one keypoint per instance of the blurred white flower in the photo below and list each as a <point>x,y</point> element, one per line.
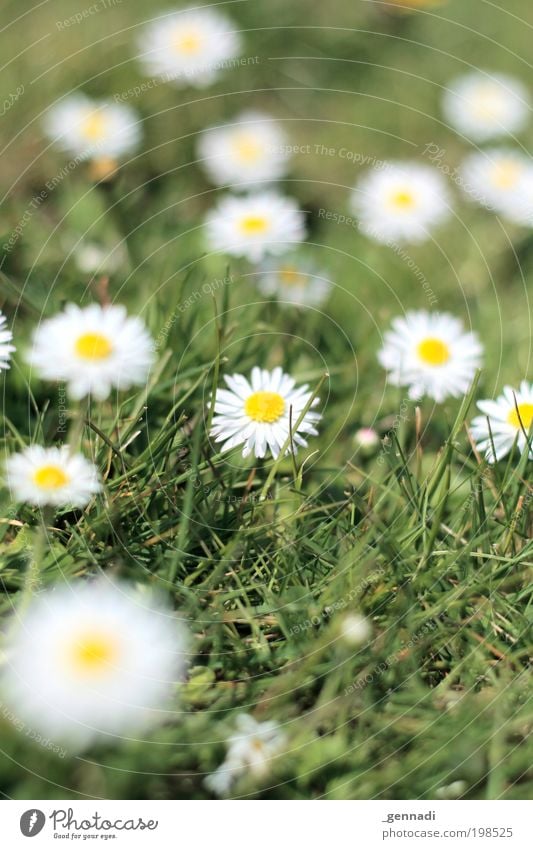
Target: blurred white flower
<point>255,225</point>
<point>94,258</point>
<point>92,661</point>
<point>452,791</point>
<point>294,280</point>
<point>54,476</point>
<point>431,354</point>
<point>355,629</point>
<point>256,414</point>
<point>504,421</point>
<point>90,128</point>
<point>367,439</point>
<point>6,349</point>
<point>483,105</point>
<point>93,349</point>
<point>250,151</point>
<point>496,177</point>
<point>189,46</point>
<point>403,202</point>
<point>251,750</point>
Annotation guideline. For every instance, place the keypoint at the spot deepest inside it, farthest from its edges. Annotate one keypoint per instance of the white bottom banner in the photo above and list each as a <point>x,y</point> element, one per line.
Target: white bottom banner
<point>361,824</point>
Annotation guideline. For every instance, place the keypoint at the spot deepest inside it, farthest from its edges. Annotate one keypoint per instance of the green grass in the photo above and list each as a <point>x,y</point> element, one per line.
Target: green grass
<point>423,538</point>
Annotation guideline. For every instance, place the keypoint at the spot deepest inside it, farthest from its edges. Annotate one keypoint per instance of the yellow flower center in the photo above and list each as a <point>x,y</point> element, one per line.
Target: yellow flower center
<point>188,42</point>
<point>94,126</point>
<point>253,225</point>
<point>506,174</point>
<point>521,417</point>
<point>93,346</point>
<point>50,477</point>
<point>93,652</point>
<point>247,148</point>
<point>292,277</point>
<point>433,352</point>
<point>403,199</point>
<point>264,406</point>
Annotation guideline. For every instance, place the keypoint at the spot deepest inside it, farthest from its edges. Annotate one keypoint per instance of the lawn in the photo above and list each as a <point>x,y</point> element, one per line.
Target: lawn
<point>372,600</point>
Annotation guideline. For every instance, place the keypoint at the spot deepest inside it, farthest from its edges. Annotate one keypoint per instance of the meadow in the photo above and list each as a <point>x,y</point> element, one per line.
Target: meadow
<point>364,601</point>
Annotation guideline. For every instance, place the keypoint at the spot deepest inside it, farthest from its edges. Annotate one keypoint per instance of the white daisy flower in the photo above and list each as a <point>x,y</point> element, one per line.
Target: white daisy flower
<point>483,105</point>
<point>256,414</point>
<point>431,354</point>
<point>504,422</point>
<point>355,629</point>
<point>252,150</point>
<point>403,202</point>
<point>295,281</point>
<point>92,660</point>
<point>366,439</point>
<point>6,349</point>
<point>93,349</point>
<point>189,47</point>
<point>54,476</point>
<point>94,258</point>
<point>250,750</point>
<point>495,179</point>
<point>92,128</point>
<point>255,225</point>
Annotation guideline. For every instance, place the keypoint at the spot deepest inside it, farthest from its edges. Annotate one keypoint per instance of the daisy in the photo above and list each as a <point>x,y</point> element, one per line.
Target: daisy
<point>252,150</point>
<point>93,258</point>
<point>92,660</point>
<point>294,281</point>
<point>6,349</point>
<point>403,202</point>
<point>256,414</point>
<point>54,476</point>
<point>93,128</point>
<point>484,106</point>
<point>93,349</point>
<point>431,354</point>
<point>504,422</point>
<point>250,750</point>
<point>189,47</point>
<point>255,225</point>
<point>495,178</point>
<point>355,629</point>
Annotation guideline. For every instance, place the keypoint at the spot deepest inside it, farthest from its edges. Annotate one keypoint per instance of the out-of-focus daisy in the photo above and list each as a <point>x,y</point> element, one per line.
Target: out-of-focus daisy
<point>255,225</point>
<point>294,280</point>
<point>256,413</point>
<point>93,350</point>
<point>504,421</point>
<point>189,47</point>
<point>366,439</point>
<point>483,105</point>
<point>403,202</point>
<point>6,349</point>
<point>252,150</point>
<point>54,476</point>
<point>90,661</point>
<point>355,629</point>
<point>431,354</point>
<point>93,129</point>
<point>93,258</point>
<point>251,750</point>
<point>494,177</point>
